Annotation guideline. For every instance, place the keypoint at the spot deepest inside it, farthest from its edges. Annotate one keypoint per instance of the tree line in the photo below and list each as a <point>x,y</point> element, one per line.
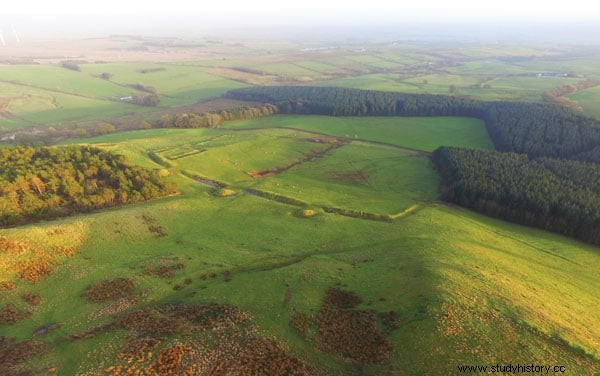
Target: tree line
<point>137,122</point>
<point>45,182</point>
<point>214,118</point>
<point>558,195</point>
<point>532,128</point>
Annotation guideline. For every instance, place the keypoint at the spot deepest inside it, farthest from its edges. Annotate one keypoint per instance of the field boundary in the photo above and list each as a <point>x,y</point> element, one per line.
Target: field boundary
<point>313,154</point>
<point>203,179</point>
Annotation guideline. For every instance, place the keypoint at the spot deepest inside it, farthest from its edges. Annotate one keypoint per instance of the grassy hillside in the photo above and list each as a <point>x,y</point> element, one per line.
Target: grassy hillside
<point>465,289</point>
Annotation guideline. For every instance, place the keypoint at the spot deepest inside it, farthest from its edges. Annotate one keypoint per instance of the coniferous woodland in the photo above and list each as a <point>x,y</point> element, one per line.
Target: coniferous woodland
<point>562,196</point>
<point>42,182</point>
<point>544,174</point>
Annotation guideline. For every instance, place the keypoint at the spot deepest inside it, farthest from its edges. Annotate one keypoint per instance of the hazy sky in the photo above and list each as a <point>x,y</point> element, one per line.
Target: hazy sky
<point>352,10</point>
<point>505,18</point>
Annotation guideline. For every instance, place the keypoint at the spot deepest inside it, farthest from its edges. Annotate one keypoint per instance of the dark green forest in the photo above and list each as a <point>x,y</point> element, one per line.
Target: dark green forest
<point>544,174</point>
<point>45,182</point>
<point>562,196</point>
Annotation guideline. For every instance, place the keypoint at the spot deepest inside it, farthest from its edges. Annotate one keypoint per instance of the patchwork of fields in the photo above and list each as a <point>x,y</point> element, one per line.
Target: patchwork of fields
<point>50,95</point>
<point>434,287</point>
<point>296,244</point>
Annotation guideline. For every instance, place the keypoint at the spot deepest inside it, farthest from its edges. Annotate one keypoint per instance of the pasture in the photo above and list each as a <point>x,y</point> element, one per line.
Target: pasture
<point>462,288</point>
<point>278,217</point>
<point>47,95</point>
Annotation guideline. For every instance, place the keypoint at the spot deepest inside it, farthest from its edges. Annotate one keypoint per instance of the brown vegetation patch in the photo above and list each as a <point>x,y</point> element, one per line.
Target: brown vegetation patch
<point>224,347</point>
<point>153,226</point>
<point>170,360</point>
<point>148,219</point>
<point>248,355</point>
<point>5,103</point>
<point>350,334</point>
<point>7,286</point>
<point>109,289</point>
<point>137,348</point>
<point>149,321</point>
<point>557,94</point>
<point>10,315</point>
<point>391,320</point>
<point>214,317</point>
<point>115,307</point>
<point>302,323</point>
<point>29,263</point>
<point>60,250</point>
<point>35,270</point>
<point>164,271</point>
<point>341,298</point>
<point>13,247</point>
<point>260,174</point>
<point>13,354</point>
<point>452,322</point>
<point>32,299</point>
<point>178,318</point>
<point>158,230</point>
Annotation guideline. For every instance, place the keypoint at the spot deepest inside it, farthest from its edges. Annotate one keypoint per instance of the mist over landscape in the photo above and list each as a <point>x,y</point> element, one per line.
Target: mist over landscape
<point>299,188</point>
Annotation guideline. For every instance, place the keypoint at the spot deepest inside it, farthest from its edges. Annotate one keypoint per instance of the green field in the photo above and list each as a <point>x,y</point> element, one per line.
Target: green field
<point>422,133</point>
<point>478,86</point>
<point>468,289</point>
<point>52,95</point>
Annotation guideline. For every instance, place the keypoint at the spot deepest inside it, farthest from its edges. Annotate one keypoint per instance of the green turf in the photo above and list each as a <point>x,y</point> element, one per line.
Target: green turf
<point>230,158</point>
<point>424,133</point>
<point>359,177</point>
